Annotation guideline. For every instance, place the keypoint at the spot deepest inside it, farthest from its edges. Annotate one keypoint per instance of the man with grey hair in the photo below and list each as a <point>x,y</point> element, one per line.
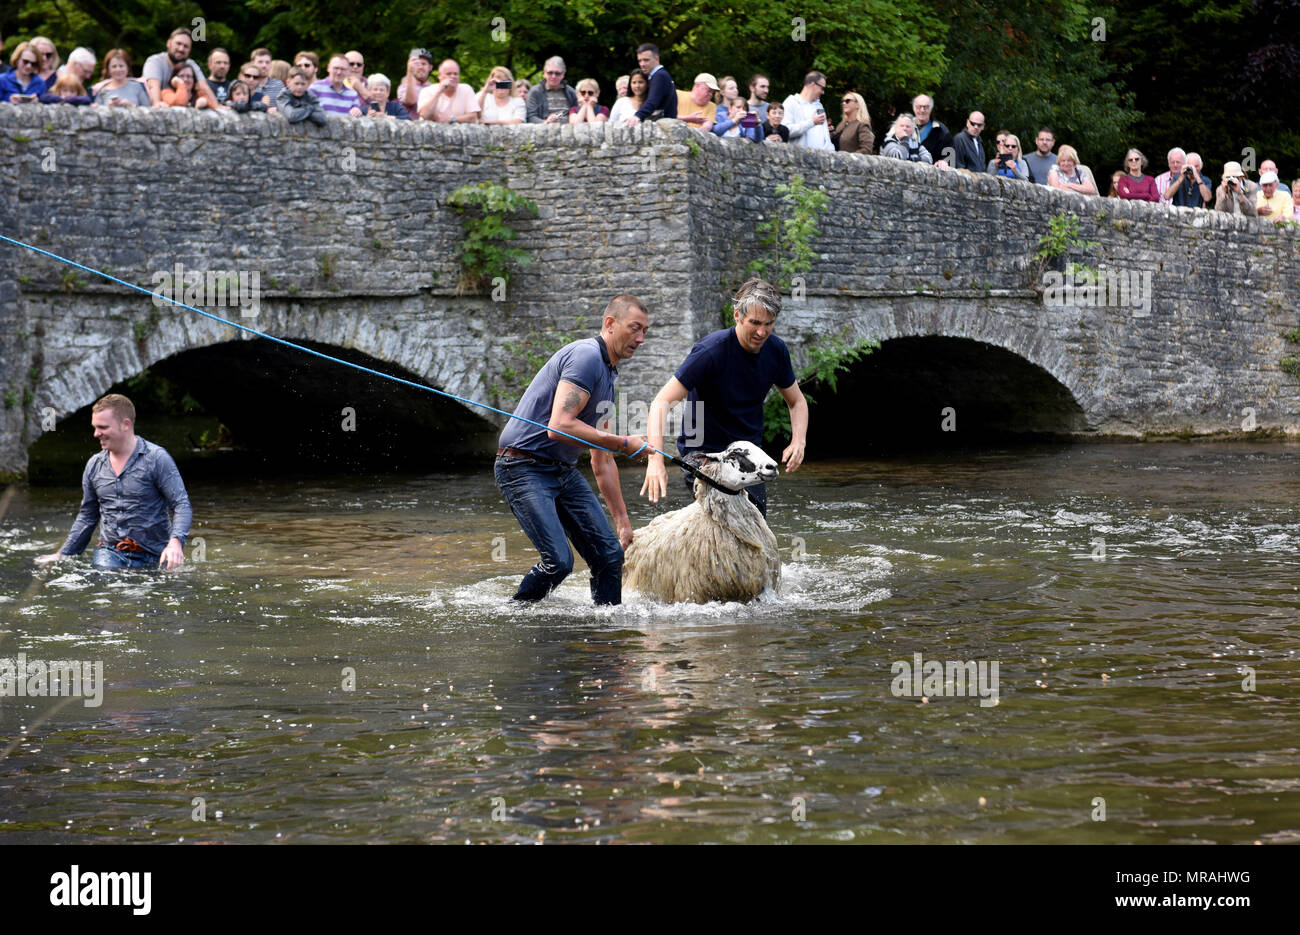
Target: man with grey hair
<point>550,101</point>
<point>1193,189</point>
<point>1167,183</point>
<point>81,62</point>
<point>727,376</point>
<point>931,133</point>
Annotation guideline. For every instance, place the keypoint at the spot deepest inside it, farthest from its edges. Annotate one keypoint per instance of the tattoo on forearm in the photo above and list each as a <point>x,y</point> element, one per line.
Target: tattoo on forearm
<point>571,401</point>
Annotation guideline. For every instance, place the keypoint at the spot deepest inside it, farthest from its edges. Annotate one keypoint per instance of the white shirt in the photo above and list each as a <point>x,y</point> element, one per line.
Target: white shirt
<point>799,120</point>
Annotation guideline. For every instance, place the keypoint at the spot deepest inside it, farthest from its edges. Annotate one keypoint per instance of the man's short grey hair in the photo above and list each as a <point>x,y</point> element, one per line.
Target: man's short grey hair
<point>757,292</point>
<point>1195,159</point>
<point>1176,151</point>
<point>557,62</point>
<point>923,95</point>
<point>379,78</point>
<point>82,56</point>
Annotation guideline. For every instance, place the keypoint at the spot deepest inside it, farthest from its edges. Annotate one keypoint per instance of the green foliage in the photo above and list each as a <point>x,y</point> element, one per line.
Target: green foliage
<point>327,265</point>
<point>788,232</point>
<point>1290,365</point>
<point>693,148</point>
<point>11,398</point>
<point>530,355</point>
<point>484,255</point>
<point>827,359</point>
<point>157,394</point>
<point>1062,236</point>
<point>1292,336</point>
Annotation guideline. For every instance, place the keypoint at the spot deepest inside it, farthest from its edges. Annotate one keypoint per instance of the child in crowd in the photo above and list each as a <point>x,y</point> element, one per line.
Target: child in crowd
<point>240,99</point>
<point>68,89</point>
<point>772,129</point>
<point>731,121</point>
<point>297,103</point>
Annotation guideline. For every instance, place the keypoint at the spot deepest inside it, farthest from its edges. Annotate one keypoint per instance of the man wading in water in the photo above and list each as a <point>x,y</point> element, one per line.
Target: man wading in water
<point>535,466</point>
<point>127,490</point>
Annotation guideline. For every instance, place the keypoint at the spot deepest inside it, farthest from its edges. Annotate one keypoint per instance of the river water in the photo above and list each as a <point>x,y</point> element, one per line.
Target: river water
<point>344,665</point>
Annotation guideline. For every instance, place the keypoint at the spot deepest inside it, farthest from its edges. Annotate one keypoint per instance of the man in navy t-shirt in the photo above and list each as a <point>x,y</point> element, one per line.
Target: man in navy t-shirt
<point>535,467</point>
<point>729,374</point>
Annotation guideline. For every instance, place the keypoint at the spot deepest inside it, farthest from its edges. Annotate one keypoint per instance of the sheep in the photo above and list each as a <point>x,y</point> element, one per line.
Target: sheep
<point>717,549</point>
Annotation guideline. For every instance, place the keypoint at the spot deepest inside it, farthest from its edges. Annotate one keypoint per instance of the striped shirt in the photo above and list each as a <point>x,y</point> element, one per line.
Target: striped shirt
<point>335,102</point>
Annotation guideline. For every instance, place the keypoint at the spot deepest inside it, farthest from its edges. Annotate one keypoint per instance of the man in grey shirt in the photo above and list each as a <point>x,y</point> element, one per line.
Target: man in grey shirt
<point>1041,160</point>
<point>127,490</point>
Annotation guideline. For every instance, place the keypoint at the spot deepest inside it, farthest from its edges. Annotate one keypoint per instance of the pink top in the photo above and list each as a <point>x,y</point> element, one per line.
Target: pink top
<point>1139,189</point>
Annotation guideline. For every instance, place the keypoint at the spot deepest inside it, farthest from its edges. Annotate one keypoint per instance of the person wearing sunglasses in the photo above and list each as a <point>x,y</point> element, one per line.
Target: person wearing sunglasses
<point>853,133</point>
<point>967,149</point>
<point>22,85</point>
<point>1008,163</point>
<point>1136,185</point>
<point>588,109</point>
<point>554,97</point>
<point>49,59</point>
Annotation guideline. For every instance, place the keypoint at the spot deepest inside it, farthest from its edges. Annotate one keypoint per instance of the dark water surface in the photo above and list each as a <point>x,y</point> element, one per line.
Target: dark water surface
<point>1120,677</point>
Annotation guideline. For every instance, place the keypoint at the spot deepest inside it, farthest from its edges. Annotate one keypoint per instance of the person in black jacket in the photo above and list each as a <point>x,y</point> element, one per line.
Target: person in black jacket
<point>931,133</point>
<point>968,151</point>
<point>297,102</point>
<point>661,99</point>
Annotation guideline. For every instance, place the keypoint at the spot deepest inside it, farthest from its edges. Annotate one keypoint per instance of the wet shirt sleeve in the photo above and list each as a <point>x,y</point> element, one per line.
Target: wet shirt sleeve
<point>168,478</point>
<point>87,517</point>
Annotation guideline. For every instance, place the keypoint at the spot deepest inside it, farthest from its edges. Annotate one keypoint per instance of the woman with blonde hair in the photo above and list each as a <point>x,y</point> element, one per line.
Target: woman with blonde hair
<point>497,105</point>
<point>1068,175</point>
<point>588,109</point>
<point>853,133</point>
<point>1007,162</point>
<point>49,59</point>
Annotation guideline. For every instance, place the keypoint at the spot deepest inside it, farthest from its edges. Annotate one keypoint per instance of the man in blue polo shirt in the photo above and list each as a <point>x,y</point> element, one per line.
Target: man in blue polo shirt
<point>535,467</point>
<point>128,489</point>
<point>730,373</point>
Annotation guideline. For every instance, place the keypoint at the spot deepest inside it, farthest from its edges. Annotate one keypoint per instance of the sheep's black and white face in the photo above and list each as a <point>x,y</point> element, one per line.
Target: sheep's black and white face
<point>742,464</point>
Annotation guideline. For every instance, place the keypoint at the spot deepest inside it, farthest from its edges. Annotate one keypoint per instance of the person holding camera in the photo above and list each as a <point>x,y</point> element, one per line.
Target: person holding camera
<point>1007,163</point>
<point>1236,193</point>
<point>379,104</point>
<point>497,102</point>
<point>735,120</point>
<point>1135,184</point>
<point>1193,190</point>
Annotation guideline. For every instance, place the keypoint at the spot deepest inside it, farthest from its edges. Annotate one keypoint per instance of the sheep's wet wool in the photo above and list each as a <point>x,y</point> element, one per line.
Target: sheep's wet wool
<point>717,549</point>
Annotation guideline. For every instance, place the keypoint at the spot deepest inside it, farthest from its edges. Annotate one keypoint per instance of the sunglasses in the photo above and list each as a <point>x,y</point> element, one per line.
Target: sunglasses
<point>252,75</point>
<point>587,93</point>
<point>848,100</point>
<point>356,64</point>
<point>554,72</point>
<point>974,124</point>
<point>47,55</point>
<point>28,61</point>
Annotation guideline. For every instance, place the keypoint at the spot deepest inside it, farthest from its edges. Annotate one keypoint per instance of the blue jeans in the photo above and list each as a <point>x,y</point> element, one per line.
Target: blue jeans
<point>104,557</point>
<point>757,494</point>
<point>552,501</point>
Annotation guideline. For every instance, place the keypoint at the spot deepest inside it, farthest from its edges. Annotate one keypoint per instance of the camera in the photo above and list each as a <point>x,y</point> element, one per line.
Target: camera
<point>1005,159</point>
<point>502,85</point>
<point>1233,182</point>
<point>749,121</point>
<point>374,105</point>
<point>1187,173</point>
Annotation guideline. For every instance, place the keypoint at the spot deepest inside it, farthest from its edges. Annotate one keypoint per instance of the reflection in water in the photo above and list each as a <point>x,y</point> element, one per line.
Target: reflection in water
<point>346,666</point>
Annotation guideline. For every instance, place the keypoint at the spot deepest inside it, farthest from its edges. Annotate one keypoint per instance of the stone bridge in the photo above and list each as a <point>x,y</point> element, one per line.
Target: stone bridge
<point>355,253</point>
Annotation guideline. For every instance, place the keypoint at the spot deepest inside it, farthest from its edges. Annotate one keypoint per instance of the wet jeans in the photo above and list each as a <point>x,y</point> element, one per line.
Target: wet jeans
<point>105,557</point>
<point>552,501</point>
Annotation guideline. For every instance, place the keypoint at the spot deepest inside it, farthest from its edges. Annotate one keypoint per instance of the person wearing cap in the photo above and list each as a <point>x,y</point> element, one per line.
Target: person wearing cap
<point>805,115</point>
<point>550,101</point>
<point>1268,165</point>
<point>1270,202</point>
<point>419,64</point>
<point>696,106</point>
<point>1236,193</point>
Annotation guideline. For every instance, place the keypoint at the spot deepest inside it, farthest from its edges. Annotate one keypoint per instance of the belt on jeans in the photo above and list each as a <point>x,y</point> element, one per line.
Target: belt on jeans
<point>520,453</point>
<point>127,545</point>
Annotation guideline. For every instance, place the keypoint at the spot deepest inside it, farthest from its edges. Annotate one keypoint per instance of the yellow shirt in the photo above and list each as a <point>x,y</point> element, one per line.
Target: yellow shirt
<point>687,107</point>
<point>1280,203</point>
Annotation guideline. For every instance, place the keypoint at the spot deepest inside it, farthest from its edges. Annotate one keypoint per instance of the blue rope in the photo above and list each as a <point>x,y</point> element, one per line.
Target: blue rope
<point>308,350</point>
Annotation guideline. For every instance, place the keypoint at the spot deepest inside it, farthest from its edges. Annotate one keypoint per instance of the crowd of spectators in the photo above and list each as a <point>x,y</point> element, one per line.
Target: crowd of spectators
<point>297,91</point>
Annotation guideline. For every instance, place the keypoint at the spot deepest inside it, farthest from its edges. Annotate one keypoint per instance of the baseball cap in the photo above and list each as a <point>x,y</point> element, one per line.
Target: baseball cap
<point>421,53</point>
<point>706,78</point>
<point>1232,170</point>
<point>1268,178</point>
